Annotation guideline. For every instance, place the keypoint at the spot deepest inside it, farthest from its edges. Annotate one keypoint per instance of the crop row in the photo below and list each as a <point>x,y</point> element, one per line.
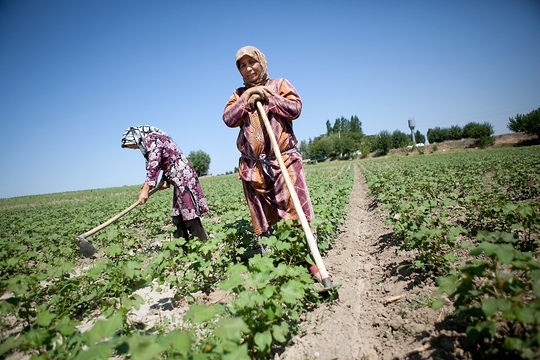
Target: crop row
<point>50,294</point>
<point>484,204</point>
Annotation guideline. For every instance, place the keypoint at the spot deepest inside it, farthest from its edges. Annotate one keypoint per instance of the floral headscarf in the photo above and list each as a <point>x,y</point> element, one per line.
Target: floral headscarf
<point>135,136</point>
<point>257,55</point>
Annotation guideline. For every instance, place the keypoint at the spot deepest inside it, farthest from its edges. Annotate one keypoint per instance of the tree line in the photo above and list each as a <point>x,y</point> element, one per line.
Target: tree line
<point>345,138</point>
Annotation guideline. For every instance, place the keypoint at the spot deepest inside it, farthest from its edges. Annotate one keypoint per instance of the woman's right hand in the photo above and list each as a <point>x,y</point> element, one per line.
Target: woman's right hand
<point>254,94</point>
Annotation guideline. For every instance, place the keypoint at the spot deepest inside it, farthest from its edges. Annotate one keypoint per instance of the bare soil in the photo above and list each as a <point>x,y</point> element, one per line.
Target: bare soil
<point>381,312</point>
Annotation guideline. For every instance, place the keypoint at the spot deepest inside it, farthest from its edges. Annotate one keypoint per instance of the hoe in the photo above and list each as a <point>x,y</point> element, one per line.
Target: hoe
<point>87,249</point>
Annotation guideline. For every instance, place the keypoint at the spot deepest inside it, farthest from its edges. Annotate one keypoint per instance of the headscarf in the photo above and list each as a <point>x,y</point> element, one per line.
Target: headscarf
<point>135,136</point>
<point>258,56</point>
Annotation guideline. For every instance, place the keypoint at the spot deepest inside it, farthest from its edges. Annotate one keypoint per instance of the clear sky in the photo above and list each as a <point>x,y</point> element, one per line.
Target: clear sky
<point>75,74</point>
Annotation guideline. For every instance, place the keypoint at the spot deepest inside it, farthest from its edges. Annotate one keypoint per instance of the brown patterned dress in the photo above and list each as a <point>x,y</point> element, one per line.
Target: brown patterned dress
<point>265,189</point>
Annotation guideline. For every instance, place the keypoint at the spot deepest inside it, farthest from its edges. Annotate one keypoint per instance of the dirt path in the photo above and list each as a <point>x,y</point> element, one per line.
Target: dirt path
<point>377,314</point>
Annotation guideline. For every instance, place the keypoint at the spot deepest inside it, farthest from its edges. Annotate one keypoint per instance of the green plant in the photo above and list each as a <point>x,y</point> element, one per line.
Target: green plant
<point>497,296</point>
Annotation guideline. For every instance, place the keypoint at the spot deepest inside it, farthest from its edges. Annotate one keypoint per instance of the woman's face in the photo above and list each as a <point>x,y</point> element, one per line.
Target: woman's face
<point>250,69</point>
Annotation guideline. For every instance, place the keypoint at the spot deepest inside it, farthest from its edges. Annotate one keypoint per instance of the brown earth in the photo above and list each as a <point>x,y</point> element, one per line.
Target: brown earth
<point>381,312</point>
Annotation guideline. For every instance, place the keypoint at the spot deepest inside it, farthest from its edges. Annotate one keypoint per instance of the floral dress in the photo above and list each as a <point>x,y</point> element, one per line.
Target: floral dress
<point>164,155</point>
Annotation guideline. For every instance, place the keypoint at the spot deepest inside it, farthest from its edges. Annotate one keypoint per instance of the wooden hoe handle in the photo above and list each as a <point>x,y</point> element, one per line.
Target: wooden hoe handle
<point>326,280</point>
<point>119,215</point>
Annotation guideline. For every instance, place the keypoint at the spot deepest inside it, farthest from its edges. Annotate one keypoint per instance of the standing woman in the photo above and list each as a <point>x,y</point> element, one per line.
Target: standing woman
<point>162,154</point>
<point>265,189</point>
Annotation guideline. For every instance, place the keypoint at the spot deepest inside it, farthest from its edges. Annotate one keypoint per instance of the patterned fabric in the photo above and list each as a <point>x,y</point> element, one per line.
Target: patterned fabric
<point>163,154</point>
<point>135,136</point>
<point>266,193</point>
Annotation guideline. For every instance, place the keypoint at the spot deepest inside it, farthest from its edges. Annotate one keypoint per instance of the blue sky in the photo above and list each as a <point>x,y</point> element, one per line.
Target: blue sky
<point>75,74</point>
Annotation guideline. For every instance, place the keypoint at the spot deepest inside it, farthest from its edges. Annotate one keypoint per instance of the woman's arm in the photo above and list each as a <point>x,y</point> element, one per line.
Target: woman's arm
<point>235,110</point>
<point>283,100</point>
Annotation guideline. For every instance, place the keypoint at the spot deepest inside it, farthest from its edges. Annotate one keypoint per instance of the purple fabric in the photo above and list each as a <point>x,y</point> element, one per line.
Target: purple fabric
<point>164,155</point>
<point>264,186</point>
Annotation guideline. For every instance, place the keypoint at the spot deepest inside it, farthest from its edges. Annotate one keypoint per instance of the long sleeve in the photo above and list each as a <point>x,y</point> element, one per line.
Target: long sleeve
<point>153,165</point>
<point>286,102</point>
<point>235,110</point>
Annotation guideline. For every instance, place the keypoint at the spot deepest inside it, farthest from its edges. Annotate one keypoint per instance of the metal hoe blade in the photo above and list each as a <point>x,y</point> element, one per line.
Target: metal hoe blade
<point>87,249</point>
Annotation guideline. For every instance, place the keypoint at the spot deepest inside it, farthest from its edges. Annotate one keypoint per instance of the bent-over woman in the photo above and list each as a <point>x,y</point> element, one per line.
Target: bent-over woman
<point>162,154</point>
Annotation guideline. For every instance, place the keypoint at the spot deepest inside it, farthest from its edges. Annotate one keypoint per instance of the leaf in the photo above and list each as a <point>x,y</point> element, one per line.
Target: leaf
<point>263,340</point>
<point>178,341</point>
<point>44,318</point>
<point>280,332</point>
<point>505,253</point>
<point>202,313</point>
<point>144,347</point>
<point>239,353</point>
<point>231,329</point>
<point>104,328</point>
<point>132,301</point>
<point>96,352</point>
<point>525,315</point>
<point>491,306</point>
<point>7,345</point>
<point>292,291</point>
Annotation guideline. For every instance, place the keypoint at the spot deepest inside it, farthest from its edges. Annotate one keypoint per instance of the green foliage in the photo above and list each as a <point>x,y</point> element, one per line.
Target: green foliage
<point>497,295</point>
<point>341,140</point>
<point>400,139</point>
<point>419,137</point>
<point>384,142</point>
<point>528,123</point>
<point>489,196</point>
<point>477,131</point>
<point>49,293</point>
<point>482,132</point>
<point>200,162</point>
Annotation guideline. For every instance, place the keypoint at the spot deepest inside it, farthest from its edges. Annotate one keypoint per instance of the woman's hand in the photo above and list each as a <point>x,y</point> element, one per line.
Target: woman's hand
<point>254,94</point>
<point>143,194</point>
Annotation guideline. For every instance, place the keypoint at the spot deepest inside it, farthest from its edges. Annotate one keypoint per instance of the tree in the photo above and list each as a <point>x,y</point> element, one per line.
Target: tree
<point>436,135</point>
<point>200,162</point>
<point>455,133</point>
<point>355,125</point>
<point>419,137</point>
<point>477,131</point>
<point>303,149</point>
<point>346,145</point>
<point>328,128</point>
<point>321,146</point>
<point>384,142</point>
<point>529,123</point>
<point>400,139</point>
<point>368,144</point>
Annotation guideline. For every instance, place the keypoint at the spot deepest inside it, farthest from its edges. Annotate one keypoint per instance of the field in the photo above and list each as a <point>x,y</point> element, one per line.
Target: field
<point>435,256</point>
